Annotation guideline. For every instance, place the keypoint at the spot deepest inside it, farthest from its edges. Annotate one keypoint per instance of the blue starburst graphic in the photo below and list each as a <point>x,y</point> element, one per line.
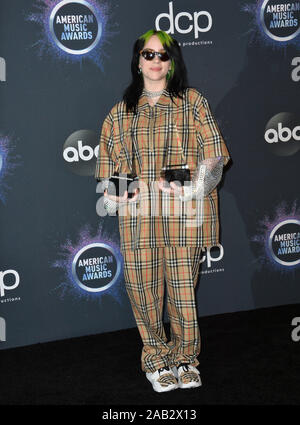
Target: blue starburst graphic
<point>69,250</point>
<point>265,227</point>
<point>256,24</point>
<point>64,49</point>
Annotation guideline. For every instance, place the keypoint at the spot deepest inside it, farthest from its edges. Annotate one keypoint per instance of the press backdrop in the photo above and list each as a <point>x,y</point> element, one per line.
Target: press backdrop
<point>63,65</point>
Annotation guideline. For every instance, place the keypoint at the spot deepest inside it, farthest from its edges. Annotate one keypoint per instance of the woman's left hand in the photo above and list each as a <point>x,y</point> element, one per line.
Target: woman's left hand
<point>174,188</point>
<point>135,196</point>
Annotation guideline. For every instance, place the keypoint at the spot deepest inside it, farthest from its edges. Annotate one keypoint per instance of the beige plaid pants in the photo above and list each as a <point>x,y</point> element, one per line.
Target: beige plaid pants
<point>145,271</point>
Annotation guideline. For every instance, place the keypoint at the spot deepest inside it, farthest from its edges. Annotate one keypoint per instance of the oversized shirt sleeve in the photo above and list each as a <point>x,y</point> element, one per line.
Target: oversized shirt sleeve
<point>106,160</point>
<point>213,153</point>
<point>211,142</point>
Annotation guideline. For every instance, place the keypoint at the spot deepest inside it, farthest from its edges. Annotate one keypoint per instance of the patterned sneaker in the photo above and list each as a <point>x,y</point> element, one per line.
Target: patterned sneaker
<point>162,379</point>
<point>188,376</point>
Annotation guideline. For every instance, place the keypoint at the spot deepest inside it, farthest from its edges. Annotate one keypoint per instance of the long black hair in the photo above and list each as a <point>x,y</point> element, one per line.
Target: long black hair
<point>177,78</point>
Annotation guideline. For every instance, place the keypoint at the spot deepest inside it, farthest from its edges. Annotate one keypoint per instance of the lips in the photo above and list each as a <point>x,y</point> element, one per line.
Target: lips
<point>155,69</point>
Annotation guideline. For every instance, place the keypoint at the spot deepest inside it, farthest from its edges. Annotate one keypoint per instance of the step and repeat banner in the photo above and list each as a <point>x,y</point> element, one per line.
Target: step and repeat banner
<point>63,65</point>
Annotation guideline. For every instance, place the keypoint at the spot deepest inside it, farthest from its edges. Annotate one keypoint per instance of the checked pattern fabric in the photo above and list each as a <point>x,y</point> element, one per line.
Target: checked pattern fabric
<point>167,379</point>
<point>172,132</point>
<point>145,271</point>
<point>186,376</point>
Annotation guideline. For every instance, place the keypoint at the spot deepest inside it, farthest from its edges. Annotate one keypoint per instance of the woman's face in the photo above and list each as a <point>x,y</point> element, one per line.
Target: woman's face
<point>154,70</point>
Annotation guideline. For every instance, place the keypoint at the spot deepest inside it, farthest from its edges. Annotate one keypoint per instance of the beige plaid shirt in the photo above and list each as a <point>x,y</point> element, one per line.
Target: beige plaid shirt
<point>182,131</point>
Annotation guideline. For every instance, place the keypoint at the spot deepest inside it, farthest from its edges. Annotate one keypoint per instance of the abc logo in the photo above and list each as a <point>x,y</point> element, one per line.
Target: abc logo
<point>5,286</point>
<point>185,22</point>
<point>80,152</point>
<point>282,133</point>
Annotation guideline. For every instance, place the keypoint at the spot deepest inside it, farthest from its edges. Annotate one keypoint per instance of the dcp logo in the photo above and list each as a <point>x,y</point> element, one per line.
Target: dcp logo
<point>209,258</point>
<point>4,285</point>
<point>185,22</point>
<point>282,133</point>
<point>80,152</point>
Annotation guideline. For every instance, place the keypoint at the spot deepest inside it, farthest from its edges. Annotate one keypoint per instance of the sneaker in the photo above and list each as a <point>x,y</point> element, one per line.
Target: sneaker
<point>188,376</point>
<point>162,379</point>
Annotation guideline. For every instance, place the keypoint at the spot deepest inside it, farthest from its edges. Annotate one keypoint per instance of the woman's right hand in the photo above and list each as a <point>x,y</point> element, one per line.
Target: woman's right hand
<point>124,197</point>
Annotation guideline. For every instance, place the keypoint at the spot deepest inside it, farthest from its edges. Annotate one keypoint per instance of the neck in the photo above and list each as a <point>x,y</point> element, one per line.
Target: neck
<point>155,85</point>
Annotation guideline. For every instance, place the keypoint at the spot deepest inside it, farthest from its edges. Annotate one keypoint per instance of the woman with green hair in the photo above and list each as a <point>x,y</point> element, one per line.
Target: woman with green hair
<point>164,132</point>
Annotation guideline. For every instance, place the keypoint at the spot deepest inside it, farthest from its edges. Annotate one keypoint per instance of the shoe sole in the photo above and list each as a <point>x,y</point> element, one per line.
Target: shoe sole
<point>190,385</point>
